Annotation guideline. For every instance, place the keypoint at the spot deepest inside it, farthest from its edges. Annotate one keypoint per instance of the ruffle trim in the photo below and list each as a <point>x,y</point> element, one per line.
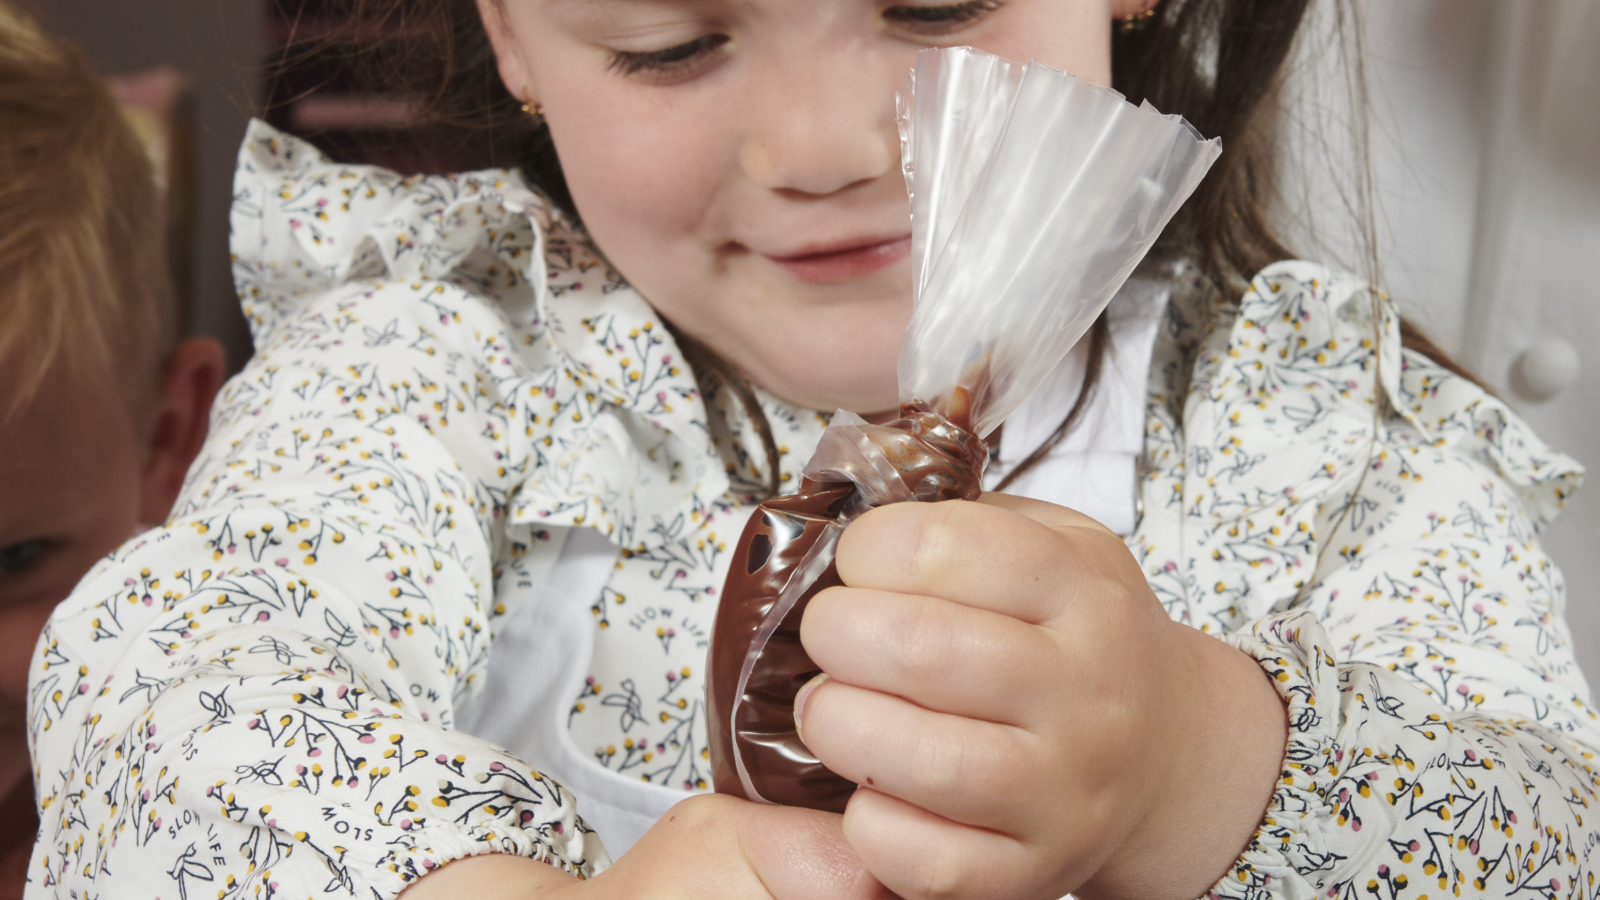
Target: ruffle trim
<point>1284,850</point>
<point>613,420</point>
<point>1294,399</point>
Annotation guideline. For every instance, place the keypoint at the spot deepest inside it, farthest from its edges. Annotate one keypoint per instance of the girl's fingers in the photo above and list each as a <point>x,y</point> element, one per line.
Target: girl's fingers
<point>938,654</point>
<point>1047,514</point>
<point>801,854</point>
<point>919,855</point>
<point>958,768</point>
<point>714,846</point>
<point>981,555</point>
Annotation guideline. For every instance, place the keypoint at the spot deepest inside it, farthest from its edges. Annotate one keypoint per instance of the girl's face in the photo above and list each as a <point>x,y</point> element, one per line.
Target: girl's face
<point>738,161</point>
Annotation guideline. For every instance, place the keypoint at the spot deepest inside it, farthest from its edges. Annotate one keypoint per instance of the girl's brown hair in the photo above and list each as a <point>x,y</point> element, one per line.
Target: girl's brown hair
<point>1218,63</point>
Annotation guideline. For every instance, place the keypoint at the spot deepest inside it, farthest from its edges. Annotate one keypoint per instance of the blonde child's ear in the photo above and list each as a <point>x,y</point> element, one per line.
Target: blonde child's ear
<point>176,428</point>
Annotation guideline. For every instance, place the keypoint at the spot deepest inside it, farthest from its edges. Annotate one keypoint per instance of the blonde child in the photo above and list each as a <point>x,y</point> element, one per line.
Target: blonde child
<point>443,578</point>
<point>102,407</point>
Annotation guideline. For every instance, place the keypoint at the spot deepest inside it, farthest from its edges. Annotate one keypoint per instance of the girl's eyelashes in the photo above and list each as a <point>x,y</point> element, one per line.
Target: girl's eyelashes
<point>670,64</point>
<point>683,61</point>
<point>933,21</point>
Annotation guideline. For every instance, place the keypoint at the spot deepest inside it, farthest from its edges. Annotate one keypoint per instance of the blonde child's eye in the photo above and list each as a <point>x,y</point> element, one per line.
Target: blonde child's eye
<point>16,558</point>
<point>938,20</point>
<point>667,64</point>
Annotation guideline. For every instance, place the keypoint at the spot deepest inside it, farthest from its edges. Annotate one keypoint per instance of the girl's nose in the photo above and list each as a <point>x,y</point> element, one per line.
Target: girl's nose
<point>823,138</point>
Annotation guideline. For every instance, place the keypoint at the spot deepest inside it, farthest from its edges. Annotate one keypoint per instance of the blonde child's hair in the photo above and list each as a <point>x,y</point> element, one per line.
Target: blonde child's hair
<point>84,278</point>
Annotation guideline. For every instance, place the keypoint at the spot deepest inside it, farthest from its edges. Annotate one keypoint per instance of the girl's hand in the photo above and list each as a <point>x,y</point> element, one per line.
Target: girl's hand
<point>710,847</point>
<point>1023,717</point>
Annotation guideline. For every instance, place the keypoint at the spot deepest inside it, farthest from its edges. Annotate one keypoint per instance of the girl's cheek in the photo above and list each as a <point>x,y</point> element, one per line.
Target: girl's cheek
<point>642,166</point>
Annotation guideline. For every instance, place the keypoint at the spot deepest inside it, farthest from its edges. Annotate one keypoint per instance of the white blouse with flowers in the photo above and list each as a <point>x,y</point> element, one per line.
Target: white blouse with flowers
<point>462,430</point>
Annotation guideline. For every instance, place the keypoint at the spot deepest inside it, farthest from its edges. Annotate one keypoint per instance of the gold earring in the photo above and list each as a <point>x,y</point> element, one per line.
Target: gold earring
<point>1137,20</point>
<point>533,109</point>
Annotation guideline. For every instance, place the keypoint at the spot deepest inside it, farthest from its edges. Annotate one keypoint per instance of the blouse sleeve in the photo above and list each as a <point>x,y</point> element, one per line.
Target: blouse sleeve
<point>1441,735</point>
<point>255,700</point>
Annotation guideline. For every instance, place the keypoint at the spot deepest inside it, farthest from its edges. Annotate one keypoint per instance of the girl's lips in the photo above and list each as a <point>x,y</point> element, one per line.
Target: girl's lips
<point>847,264</point>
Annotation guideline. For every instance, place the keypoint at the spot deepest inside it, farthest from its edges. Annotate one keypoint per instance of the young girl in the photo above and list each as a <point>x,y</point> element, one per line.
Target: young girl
<point>464,421</point>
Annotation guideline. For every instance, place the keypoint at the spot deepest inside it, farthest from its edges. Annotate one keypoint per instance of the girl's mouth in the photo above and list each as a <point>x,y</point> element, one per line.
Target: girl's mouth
<point>847,262</point>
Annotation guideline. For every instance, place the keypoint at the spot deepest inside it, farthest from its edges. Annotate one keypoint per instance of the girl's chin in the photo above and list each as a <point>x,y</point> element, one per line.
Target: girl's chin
<point>874,407</point>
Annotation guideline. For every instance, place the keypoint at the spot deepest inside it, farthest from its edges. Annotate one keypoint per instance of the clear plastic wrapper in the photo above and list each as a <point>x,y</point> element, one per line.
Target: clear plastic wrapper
<point>1034,195</point>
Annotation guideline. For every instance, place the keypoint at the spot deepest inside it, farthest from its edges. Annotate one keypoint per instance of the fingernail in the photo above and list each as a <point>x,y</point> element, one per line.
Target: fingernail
<point>800,703</point>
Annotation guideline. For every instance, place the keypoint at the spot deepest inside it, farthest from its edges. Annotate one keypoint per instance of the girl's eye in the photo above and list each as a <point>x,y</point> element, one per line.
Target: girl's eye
<point>938,20</point>
<point>666,65</point>
<point>16,558</point>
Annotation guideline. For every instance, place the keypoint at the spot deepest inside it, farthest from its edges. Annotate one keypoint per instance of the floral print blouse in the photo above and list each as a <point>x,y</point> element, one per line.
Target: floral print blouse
<point>450,389</point>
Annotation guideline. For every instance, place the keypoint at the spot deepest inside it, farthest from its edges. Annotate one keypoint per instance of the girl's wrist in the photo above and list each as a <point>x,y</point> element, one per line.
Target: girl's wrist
<point>1222,764</point>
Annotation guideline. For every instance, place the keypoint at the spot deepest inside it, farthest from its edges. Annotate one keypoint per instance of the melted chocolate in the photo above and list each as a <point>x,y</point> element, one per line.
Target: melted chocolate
<point>938,459</point>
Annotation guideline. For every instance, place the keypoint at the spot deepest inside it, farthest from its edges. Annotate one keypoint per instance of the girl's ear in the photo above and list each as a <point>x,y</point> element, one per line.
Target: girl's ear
<point>507,52</point>
<point>1127,9</point>
<point>177,427</point>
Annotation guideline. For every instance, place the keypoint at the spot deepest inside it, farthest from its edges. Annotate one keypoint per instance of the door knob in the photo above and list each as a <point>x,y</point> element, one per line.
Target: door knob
<point>1545,369</point>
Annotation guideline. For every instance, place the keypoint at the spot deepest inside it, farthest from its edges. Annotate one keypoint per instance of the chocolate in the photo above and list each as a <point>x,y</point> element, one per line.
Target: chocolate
<point>937,458</point>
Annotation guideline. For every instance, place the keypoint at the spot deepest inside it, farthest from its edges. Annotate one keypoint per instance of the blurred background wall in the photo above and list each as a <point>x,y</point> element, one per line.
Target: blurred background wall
<point>1483,122</point>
